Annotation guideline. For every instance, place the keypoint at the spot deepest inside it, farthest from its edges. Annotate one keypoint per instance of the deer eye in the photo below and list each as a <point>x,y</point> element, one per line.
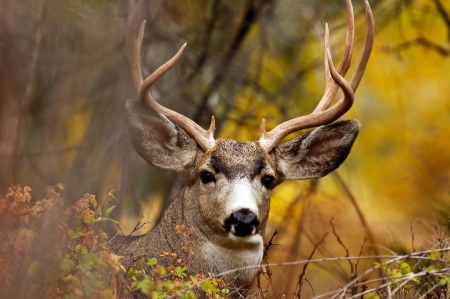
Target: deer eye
<point>206,177</point>
<point>267,181</point>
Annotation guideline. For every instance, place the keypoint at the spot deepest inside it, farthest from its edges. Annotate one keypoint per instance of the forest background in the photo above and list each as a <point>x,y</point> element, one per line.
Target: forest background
<point>64,81</point>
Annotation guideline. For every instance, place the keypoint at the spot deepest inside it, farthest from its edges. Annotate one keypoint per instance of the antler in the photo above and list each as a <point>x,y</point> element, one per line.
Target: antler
<point>204,138</point>
<point>322,114</point>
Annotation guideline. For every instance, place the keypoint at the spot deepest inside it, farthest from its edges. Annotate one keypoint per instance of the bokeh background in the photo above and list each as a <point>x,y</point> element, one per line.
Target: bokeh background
<point>64,81</point>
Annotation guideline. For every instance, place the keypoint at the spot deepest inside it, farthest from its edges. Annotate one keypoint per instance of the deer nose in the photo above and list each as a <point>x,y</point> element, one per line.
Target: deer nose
<point>242,223</point>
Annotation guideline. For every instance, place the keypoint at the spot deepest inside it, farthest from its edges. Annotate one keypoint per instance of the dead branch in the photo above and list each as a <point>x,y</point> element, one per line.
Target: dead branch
<point>302,276</point>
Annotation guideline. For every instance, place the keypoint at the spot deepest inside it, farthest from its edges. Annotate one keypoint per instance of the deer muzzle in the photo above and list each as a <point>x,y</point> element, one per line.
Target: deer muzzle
<point>242,223</point>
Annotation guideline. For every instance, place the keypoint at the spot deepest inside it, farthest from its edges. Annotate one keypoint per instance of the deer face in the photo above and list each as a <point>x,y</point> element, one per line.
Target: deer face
<point>229,185</point>
<point>234,186</point>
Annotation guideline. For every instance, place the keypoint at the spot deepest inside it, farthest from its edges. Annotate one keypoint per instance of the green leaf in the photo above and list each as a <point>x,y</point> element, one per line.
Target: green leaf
<point>159,295</point>
<point>110,194</point>
<point>67,263</point>
<point>72,234</point>
<point>190,295</point>
<point>145,286</point>
<point>435,254</point>
<point>444,281</point>
<point>209,287</point>
<point>170,285</point>
<point>77,248</point>
<point>92,259</point>
<point>91,220</point>
<point>180,272</point>
<point>109,211</point>
<point>429,268</point>
<point>371,296</point>
<point>152,262</point>
<point>162,271</point>
<point>405,268</point>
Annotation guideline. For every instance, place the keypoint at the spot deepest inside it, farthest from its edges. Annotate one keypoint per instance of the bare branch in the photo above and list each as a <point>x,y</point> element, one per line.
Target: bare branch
<point>420,41</point>
<point>302,277</point>
<point>347,254</point>
<point>444,14</point>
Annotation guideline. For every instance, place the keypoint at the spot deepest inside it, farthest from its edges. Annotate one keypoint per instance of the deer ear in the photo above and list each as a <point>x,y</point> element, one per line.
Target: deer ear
<point>158,140</point>
<point>316,153</point>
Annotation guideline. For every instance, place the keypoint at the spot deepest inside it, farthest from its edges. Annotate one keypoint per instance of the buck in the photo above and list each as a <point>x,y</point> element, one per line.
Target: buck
<point>228,183</point>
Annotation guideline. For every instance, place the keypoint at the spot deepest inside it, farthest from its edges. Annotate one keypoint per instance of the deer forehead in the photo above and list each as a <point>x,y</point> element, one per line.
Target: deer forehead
<point>236,159</point>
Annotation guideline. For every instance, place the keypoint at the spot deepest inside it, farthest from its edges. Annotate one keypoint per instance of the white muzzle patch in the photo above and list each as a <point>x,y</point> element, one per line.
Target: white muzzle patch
<point>241,197</point>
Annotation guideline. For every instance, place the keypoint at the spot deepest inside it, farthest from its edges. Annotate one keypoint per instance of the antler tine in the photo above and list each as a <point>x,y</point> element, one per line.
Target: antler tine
<point>321,115</point>
<point>368,45</point>
<point>270,139</point>
<point>331,87</point>
<point>204,138</point>
<point>364,58</point>
<point>133,46</point>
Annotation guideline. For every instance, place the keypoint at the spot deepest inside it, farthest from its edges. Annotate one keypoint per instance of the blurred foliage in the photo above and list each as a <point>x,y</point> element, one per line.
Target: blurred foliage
<point>48,250</point>
<point>64,81</point>
<point>40,248</point>
<point>42,251</point>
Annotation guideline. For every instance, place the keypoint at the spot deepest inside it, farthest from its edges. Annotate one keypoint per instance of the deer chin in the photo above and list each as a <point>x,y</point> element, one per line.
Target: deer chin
<point>230,241</point>
<point>252,239</point>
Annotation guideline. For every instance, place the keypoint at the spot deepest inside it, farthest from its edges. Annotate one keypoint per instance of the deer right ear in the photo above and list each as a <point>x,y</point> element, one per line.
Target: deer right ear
<point>159,141</point>
<point>318,152</point>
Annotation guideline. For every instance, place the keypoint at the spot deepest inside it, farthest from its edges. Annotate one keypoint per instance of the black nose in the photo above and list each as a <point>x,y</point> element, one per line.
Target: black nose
<point>242,223</point>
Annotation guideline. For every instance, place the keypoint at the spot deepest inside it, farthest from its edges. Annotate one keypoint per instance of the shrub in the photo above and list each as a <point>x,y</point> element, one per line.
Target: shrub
<point>45,253</point>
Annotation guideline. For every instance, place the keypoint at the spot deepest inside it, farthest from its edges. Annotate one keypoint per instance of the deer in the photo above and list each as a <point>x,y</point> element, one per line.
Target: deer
<point>228,183</point>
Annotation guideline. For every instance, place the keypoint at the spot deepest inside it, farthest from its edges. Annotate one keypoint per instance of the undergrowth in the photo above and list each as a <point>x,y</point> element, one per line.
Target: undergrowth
<point>51,251</point>
<point>42,249</point>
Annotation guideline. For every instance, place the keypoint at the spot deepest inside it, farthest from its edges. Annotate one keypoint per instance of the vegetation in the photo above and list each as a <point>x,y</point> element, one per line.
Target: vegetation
<point>61,252</point>
<point>40,246</point>
<point>43,253</point>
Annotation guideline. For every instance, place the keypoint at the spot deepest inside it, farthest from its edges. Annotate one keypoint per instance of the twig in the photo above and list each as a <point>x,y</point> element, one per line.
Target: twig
<point>406,277</point>
<point>360,253</point>
<point>270,243</point>
<point>429,291</point>
<point>421,41</point>
<point>301,277</point>
<point>392,259</point>
<point>209,28</point>
<point>445,16</point>
<point>381,265</point>
<point>347,254</point>
<point>358,210</point>
<point>412,238</point>
<point>249,19</point>
<point>266,271</point>
<point>107,197</point>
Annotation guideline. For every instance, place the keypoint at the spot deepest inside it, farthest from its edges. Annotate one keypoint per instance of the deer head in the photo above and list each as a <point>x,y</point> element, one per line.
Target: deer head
<point>228,183</point>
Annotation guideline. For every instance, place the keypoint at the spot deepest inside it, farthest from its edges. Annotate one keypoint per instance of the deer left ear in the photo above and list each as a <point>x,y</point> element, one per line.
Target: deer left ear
<point>316,153</point>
